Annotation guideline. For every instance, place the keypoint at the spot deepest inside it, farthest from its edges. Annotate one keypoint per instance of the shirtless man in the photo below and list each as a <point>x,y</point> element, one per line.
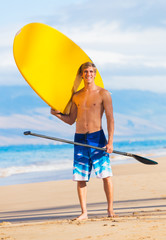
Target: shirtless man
<point>88,106</point>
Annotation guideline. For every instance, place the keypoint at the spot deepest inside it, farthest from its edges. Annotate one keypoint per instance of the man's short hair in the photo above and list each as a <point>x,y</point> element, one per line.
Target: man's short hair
<point>86,65</point>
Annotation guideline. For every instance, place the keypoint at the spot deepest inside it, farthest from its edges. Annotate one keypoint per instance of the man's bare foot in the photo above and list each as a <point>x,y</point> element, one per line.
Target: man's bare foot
<point>111,214</point>
<point>83,216</point>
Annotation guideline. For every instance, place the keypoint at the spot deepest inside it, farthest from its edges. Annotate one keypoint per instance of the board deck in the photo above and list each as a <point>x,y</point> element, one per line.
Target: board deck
<point>49,61</point>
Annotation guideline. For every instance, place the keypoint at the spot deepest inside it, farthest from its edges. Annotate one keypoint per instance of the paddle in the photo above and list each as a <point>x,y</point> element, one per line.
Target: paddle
<point>138,158</point>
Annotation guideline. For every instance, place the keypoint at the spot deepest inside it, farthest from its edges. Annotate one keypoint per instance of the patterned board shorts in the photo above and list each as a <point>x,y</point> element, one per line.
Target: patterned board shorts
<point>85,158</point>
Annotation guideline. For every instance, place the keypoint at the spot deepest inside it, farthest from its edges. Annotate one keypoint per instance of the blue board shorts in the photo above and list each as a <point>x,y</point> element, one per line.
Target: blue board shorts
<point>85,158</point>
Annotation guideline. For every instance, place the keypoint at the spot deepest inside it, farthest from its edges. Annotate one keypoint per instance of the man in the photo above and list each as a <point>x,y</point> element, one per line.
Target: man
<point>88,106</point>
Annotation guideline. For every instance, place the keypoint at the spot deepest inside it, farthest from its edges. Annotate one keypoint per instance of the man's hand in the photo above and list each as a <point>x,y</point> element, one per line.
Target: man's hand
<point>67,118</point>
<point>109,148</point>
<point>54,112</point>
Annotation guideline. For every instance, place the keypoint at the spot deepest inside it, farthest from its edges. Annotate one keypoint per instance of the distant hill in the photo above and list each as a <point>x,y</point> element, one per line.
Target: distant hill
<point>137,113</point>
<point>19,99</point>
<point>139,103</point>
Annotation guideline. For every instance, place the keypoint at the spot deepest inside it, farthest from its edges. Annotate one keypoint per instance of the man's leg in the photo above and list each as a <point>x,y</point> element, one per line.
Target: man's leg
<point>82,194</point>
<point>108,188</point>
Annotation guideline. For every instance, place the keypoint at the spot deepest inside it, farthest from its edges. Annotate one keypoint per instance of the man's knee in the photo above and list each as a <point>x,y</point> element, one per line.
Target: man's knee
<point>107,180</point>
<point>81,184</point>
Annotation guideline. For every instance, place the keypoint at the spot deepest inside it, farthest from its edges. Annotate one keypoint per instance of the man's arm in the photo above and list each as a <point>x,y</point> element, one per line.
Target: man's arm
<point>67,118</point>
<point>107,103</point>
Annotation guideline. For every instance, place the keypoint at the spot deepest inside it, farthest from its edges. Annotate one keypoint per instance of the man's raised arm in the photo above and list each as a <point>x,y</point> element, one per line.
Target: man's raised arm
<point>67,118</point>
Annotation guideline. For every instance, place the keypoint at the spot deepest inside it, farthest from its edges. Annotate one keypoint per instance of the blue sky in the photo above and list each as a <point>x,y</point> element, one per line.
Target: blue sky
<point>125,39</point>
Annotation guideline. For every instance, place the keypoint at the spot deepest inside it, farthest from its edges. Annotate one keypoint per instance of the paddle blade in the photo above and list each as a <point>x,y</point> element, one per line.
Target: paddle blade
<point>144,160</point>
<point>27,133</point>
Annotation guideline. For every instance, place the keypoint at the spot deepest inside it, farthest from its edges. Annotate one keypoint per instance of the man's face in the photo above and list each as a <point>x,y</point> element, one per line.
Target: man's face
<point>88,75</point>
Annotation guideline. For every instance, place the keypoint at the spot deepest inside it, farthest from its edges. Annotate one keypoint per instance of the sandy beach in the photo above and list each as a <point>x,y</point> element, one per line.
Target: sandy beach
<point>46,210</point>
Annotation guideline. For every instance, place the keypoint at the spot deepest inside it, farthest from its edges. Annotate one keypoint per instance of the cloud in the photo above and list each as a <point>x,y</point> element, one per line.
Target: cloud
<point>106,42</point>
<point>19,140</point>
<point>131,14</point>
<point>34,122</point>
<point>6,51</point>
<point>122,38</point>
<point>7,60</point>
<point>126,59</point>
<point>150,83</point>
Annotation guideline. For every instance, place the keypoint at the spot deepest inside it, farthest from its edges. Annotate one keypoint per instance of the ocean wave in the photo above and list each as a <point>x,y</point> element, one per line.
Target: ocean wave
<point>58,166</point>
<point>9,171</point>
<point>51,165</point>
<point>19,160</point>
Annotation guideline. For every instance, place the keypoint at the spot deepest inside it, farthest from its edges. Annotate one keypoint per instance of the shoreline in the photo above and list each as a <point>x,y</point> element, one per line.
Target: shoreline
<point>66,174</point>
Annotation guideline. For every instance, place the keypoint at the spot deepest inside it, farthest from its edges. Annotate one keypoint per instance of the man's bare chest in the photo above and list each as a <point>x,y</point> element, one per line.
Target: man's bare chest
<point>89,101</point>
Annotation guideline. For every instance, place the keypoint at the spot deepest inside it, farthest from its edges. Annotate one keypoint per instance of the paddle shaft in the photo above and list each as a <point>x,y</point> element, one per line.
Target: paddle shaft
<point>74,143</point>
<point>139,158</point>
<point>63,140</point>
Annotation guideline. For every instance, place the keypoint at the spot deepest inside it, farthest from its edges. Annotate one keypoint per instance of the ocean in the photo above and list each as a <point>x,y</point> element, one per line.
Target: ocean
<point>21,164</point>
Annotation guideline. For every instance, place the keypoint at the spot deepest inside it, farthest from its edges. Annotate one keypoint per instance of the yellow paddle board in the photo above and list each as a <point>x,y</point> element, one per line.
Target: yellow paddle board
<point>49,61</point>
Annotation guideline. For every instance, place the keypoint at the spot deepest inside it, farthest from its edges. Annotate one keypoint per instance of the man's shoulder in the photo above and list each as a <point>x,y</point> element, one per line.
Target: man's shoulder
<point>104,92</point>
<point>76,94</point>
